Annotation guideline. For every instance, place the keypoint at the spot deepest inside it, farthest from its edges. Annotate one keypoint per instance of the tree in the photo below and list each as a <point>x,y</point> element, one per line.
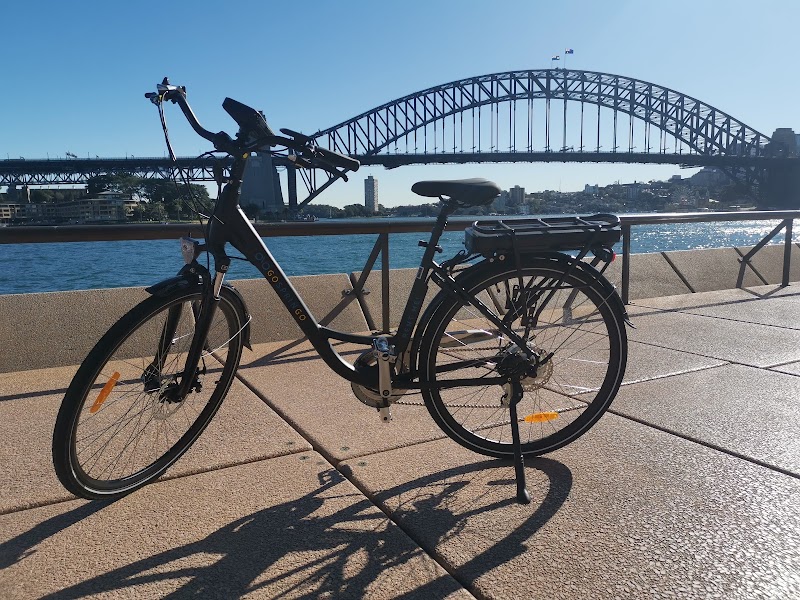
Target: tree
<point>177,200</point>
<point>154,211</point>
<point>126,184</point>
<point>324,211</point>
<point>39,196</point>
<point>355,210</point>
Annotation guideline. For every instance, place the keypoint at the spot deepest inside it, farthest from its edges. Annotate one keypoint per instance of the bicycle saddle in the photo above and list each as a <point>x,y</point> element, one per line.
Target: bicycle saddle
<point>471,192</point>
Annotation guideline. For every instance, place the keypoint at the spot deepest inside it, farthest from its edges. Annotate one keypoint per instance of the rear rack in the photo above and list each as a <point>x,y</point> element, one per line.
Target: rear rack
<point>547,234</point>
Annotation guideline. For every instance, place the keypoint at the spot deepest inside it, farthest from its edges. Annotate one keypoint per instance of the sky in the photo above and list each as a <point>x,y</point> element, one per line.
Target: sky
<point>75,73</point>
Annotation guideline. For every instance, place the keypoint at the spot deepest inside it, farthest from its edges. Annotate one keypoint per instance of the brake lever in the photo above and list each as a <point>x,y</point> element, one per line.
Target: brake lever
<point>299,137</point>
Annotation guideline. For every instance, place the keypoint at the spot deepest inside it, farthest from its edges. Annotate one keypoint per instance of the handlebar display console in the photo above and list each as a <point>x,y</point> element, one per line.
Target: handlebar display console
<point>249,119</point>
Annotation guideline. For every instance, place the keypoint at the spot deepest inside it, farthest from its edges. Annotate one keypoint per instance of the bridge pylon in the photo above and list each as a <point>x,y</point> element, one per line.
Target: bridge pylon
<point>782,178</point>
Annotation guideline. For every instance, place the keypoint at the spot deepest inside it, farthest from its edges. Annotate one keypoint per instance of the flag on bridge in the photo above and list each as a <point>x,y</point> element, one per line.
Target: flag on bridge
<point>556,57</point>
<point>569,51</point>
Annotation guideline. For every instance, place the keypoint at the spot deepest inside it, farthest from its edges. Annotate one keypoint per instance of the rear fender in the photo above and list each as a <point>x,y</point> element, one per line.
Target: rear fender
<point>613,296</point>
<point>479,271</point>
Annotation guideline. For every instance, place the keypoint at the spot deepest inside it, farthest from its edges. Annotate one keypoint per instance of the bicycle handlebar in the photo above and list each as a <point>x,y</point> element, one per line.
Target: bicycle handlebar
<point>177,94</point>
<point>255,133</point>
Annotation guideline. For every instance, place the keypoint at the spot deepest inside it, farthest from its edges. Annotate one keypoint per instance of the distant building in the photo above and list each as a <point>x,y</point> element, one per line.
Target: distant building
<point>11,210</point>
<point>632,190</point>
<point>594,190</point>
<point>516,195</point>
<point>371,194</point>
<point>107,207</point>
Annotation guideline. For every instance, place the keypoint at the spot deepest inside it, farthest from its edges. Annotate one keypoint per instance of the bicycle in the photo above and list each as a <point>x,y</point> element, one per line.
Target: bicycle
<point>521,325</point>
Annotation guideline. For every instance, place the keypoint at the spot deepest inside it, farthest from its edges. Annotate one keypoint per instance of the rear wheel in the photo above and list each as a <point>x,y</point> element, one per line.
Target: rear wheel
<point>579,349</point>
<point>121,423</point>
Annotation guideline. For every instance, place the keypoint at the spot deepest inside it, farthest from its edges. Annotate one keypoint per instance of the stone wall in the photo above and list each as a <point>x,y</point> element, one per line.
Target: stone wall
<point>59,328</point>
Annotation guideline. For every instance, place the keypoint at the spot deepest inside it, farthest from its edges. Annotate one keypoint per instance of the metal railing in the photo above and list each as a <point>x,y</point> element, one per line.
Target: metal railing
<point>153,231</point>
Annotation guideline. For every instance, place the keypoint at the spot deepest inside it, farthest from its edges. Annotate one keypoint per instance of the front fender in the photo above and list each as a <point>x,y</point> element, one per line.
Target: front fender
<point>191,276</point>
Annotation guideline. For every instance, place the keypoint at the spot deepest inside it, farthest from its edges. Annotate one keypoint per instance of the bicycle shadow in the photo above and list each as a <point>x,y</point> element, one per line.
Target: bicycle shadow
<point>303,549</point>
<point>24,545</point>
<point>433,519</point>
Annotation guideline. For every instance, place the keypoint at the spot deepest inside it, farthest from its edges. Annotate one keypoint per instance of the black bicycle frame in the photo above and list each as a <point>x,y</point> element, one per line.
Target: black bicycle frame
<point>229,224</point>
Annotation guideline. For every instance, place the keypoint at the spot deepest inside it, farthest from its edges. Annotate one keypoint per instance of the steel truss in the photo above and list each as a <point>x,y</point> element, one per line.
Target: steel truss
<point>518,116</point>
<point>504,118</point>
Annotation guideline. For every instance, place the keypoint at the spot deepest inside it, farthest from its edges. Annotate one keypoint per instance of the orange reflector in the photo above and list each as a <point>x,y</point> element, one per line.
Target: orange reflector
<point>541,417</point>
<point>105,392</point>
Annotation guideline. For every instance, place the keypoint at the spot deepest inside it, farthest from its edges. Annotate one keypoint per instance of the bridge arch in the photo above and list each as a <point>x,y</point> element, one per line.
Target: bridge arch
<point>434,118</point>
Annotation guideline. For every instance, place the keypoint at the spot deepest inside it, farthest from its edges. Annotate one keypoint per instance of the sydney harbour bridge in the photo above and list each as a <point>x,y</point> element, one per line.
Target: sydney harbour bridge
<point>547,115</point>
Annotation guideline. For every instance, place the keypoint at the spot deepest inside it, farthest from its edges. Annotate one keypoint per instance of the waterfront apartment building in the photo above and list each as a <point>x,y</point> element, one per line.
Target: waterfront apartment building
<point>107,207</point>
<point>371,194</point>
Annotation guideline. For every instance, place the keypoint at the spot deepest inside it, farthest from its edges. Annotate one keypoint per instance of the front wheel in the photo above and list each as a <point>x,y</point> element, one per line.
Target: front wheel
<point>121,423</point>
<point>570,370</point>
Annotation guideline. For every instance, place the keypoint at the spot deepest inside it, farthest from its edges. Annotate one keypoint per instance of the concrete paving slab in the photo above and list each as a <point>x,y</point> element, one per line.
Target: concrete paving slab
<point>791,368</point>
<point>321,405</point>
<point>780,310</point>
<point>624,512</point>
<point>712,298</point>
<point>732,341</point>
<point>20,384</point>
<point>651,362</point>
<point>745,411</point>
<point>248,531</point>
<point>768,262</point>
<point>243,430</point>
<point>715,269</point>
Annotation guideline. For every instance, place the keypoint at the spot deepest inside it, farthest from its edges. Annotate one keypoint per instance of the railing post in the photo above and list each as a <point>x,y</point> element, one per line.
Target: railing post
<point>787,251</point>
<point>626,263</point>
<point>385,280</point>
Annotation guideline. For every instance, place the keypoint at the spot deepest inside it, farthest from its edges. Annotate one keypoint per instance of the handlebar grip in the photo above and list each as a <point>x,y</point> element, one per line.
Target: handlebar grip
<point>338,160</point>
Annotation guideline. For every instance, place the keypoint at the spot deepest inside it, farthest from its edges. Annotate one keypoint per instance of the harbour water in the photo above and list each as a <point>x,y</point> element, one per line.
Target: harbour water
<point>87,265</point>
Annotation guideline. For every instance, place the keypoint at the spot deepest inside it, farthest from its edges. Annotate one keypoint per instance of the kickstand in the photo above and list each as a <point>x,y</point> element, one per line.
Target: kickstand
<point>523,496</point>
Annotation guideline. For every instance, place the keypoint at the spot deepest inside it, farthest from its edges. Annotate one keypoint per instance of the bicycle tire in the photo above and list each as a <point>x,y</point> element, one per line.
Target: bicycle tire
<point>115,431</point>
<point>586,337</point>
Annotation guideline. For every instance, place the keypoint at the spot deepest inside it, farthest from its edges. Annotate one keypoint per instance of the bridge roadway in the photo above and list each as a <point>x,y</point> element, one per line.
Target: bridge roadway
<point>79,171</point>
<point>688,488</point>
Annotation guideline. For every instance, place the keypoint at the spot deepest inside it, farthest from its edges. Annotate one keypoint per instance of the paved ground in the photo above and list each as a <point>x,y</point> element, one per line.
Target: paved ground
<point>688,488</point>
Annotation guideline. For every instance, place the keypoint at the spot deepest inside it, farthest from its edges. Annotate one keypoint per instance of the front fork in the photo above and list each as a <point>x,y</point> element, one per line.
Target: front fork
<point>208,308</point>
<point>203,315</point>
